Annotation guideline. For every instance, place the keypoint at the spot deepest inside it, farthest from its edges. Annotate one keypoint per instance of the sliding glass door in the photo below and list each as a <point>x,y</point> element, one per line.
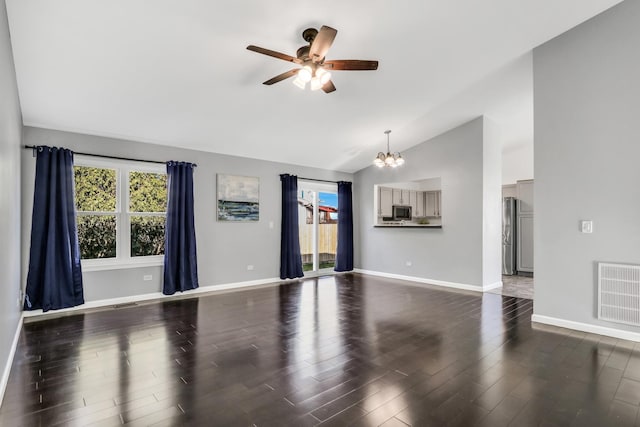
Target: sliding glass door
<point>318,222</point>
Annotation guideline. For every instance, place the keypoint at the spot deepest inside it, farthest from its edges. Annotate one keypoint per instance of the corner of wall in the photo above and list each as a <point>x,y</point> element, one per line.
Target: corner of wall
<point>491,202</point>
<point>10,199</point>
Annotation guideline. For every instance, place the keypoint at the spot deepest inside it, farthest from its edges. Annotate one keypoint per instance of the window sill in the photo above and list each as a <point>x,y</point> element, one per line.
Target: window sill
<point>120,265</point>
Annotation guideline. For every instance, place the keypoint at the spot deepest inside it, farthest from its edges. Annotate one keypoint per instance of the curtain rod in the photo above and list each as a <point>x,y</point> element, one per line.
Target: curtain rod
<point>320,180</point>
<point>33,147</point>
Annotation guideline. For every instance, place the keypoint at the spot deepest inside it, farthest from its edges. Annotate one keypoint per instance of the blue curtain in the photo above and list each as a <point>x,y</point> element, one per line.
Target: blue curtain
<point>54,279</point>
<point>290,258</point>
<point>180,265</point>
<point>344,256</point>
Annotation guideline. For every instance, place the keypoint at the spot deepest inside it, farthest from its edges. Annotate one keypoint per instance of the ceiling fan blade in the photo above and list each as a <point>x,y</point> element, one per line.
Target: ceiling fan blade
<point>329,87</point>
<point>322,43</point>
<point>282,76</point>
<point>273,53</point>
<point>351,65</point>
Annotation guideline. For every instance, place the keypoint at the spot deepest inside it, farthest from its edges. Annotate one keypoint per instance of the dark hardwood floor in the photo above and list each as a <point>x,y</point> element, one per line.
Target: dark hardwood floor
<point>343,350</point>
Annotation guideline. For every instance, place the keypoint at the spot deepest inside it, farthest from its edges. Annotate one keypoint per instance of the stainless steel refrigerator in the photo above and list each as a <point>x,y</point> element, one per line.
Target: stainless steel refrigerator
<point>509,235</point>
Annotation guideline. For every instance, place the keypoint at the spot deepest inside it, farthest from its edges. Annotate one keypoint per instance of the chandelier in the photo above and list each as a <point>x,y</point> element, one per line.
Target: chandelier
<point>388,160</point>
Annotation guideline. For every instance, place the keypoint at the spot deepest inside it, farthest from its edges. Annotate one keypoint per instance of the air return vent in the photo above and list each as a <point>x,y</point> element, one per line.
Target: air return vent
<point>619,293</point>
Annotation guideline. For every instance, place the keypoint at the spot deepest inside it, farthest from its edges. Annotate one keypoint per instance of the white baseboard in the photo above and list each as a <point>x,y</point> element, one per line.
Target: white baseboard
<point>422,280</point>
<point>238,285</point>
<point>157,296</point>
<point>9,364</point>
<point>495,285</point>
<point>586,327</point>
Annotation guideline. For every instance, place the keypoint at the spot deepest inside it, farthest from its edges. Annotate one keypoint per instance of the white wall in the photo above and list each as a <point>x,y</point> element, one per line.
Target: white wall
<point>517,163</point>
<point>224,249</point>
<point>454,253</point>
<point>587,147</point>
<point>491,204</point>
<point>10,141</point>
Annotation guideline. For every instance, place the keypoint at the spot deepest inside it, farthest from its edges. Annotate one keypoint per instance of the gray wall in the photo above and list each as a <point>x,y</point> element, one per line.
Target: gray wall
<point>453,253</point>
<point>224,249</point>
<point>10,141</point>
<point>587,147</point>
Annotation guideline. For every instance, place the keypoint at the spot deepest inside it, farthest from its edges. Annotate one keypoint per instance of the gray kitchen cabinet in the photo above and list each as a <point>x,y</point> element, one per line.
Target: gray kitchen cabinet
<point>406,197</point>
<point>385,199</point>
<point>419,211</point>
<point>524,190</point>
<point>413,202</point>
<point>400,197</point>
<point>397,196</point>
<point>432,202</point>
<point>525,243</point>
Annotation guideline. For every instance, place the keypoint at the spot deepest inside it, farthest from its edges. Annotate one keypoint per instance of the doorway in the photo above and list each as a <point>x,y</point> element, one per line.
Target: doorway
<point>517,240</point>
<point>318,226</point>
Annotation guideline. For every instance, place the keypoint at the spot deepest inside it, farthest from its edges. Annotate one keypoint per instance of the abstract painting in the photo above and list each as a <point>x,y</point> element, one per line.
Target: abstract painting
<point>238,198</point>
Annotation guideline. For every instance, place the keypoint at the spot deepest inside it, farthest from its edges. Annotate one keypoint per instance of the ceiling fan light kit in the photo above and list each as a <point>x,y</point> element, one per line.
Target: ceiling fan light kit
<point>311,58</point>
<point>313,74</point>
<point>388,160</point>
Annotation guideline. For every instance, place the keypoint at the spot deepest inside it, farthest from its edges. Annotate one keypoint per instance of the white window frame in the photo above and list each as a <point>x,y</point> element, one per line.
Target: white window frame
<point>317,188</point>
<point>123,258</point>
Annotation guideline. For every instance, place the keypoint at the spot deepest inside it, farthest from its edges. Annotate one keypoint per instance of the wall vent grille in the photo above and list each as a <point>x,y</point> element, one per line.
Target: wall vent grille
<point>619,293</point>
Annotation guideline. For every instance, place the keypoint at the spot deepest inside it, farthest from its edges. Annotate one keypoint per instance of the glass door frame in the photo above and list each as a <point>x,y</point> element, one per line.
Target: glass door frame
<point>317,188</point>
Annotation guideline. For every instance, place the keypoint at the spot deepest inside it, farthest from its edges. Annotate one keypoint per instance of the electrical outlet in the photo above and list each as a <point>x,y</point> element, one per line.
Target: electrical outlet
<point>271,225</point>
<point>408,263</point>
<point>147,277</point>
<point>586,226</point>
<point>250,267</point>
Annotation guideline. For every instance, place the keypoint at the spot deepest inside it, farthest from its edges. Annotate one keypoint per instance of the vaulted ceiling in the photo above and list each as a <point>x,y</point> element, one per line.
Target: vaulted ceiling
<point>177,72</point>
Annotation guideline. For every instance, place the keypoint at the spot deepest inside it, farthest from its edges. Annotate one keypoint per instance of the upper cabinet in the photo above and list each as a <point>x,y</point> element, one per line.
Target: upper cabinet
<point>413,202</point>
<point>400,196</point>
<point>420,207</point>
<point>524,190</point>
<point>432,203</point>
<point>385,198</point>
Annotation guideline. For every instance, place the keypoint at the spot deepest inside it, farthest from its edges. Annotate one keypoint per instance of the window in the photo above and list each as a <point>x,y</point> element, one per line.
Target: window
<point>121,211</point>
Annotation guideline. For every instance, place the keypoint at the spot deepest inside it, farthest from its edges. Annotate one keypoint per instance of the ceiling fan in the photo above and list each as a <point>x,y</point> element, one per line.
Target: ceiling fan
<point>311,59</point>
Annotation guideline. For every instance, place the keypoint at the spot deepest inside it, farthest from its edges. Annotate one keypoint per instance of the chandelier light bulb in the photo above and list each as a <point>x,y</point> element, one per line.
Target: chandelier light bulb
<point>379,160</point>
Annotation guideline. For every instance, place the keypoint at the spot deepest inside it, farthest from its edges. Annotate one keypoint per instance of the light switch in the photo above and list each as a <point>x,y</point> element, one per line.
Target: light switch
<point>586,226</point>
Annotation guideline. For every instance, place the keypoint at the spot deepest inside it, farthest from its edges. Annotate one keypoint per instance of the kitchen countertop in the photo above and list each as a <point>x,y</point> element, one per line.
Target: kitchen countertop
<point>398,224</point>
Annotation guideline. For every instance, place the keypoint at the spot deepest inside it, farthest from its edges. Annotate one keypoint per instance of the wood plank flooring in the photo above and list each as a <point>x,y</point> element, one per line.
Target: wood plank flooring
<point>516,286</point>
<point>334,351</point>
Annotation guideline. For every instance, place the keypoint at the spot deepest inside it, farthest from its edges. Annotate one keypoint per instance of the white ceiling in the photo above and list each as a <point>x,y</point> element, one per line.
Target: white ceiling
<point>177,72</point>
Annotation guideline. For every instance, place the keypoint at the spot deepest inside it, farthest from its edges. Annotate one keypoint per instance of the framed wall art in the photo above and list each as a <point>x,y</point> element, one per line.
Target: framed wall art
<point>238,198</point>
